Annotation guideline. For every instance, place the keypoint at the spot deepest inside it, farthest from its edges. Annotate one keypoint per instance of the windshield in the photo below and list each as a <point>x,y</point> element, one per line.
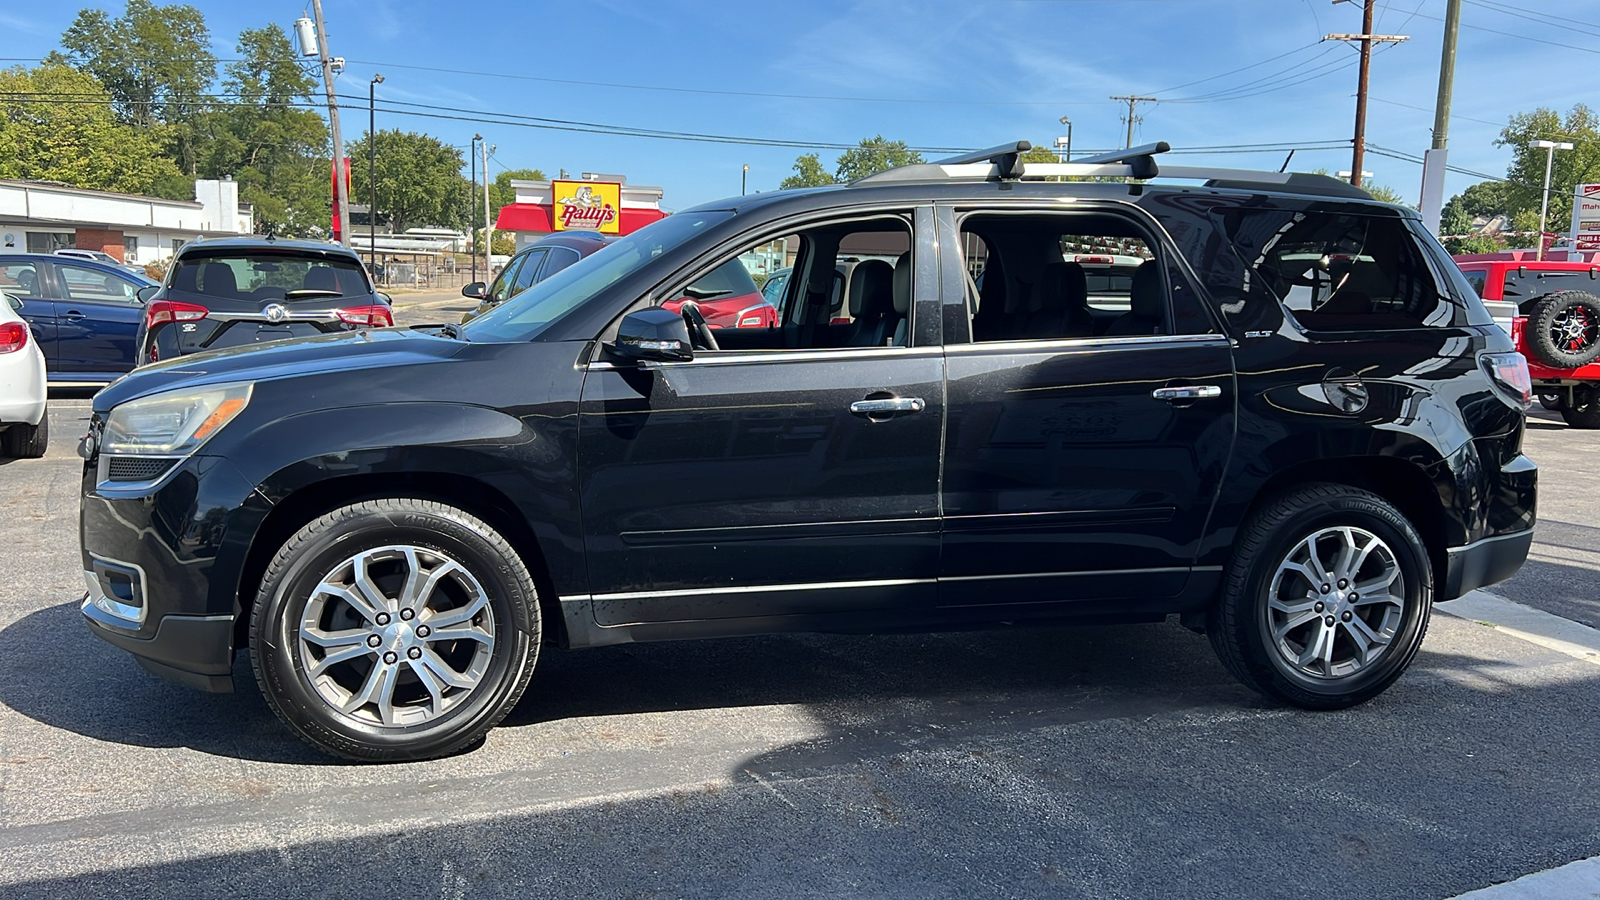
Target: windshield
<point>522,317</point>
<point>268,276</point>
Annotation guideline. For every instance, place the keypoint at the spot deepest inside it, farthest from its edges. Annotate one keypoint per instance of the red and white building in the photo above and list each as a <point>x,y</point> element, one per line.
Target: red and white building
<point>591,202</point>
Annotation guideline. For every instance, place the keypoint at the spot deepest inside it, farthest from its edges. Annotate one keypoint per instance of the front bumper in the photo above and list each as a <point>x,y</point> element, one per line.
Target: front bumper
<point>1482,563</point>
<point>194,651</point>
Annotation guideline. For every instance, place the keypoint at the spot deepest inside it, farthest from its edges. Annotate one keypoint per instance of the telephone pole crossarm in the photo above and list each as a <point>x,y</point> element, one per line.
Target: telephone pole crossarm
<point>1375,38</point>
<point>1133,102</point>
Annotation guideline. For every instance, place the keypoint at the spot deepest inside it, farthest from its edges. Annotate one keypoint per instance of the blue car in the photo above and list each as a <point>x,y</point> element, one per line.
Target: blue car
<point>85,315</point>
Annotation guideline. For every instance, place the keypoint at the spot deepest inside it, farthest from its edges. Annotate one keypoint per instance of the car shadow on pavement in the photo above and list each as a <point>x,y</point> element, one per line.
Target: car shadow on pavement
<point>53,670</point>
<point>1445,784</point>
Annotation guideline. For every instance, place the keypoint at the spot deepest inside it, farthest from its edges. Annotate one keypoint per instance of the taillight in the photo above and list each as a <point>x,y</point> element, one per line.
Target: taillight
<point>160,312</point>
<point>1518,326</point>
<point>1509,373</point>
<point>13,336</point>
<point>377,316</point>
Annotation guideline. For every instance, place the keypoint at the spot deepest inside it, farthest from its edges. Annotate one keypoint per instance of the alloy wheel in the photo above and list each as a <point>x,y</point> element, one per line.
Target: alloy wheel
<point>395,636</point>
<point>1335,603</point>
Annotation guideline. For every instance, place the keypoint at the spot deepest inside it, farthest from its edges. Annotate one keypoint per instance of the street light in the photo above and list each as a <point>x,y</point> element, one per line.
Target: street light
<point>471,228</point>
<point>1550,148</point>
<point>743,177</point>
<point>1067,141</point>
<point>372,170</point>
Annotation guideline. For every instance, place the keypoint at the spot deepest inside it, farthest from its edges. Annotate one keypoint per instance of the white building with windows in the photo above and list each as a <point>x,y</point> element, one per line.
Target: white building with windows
<point>42,217</point>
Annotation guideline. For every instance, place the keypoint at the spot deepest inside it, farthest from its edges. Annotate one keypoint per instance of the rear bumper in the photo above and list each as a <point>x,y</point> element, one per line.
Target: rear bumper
<point>1482,563</point>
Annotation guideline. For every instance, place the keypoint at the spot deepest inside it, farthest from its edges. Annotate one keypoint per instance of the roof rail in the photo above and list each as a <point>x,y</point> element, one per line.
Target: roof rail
<point>1004,163</point>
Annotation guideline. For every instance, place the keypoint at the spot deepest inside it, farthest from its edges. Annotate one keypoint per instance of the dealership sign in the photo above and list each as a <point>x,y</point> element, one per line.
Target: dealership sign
<point>1586,218</point>
<point>586,206</point>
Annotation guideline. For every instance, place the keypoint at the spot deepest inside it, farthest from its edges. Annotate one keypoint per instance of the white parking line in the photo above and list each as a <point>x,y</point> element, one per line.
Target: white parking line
<point>1574,881</point>
<point>1533,625</point>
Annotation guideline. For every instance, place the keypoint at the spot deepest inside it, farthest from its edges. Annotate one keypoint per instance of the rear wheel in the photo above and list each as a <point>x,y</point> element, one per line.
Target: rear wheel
<point>27,441</point>
<point>1584,410</point>
<point>1327,600</point>
<point>1551,401</point>
<point>394,629</point>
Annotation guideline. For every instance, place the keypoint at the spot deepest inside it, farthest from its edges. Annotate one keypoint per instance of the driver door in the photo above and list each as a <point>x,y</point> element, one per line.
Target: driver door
<point>752,483</point>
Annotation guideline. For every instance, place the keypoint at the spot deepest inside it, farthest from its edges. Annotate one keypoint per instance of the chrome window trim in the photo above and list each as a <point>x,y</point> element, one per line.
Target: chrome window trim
<point>1088,343</point>
<point>739,357</point>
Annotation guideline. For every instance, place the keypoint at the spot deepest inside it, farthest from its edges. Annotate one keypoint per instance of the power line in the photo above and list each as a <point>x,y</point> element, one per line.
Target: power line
<point>1238,70</point>
<point>1522,37</point>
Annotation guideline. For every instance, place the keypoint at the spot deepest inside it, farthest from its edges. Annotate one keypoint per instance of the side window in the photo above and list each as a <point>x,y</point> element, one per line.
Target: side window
<point>559,258</point>
<point>1345,271</point>
<point>847,285</point>
<point>1056,277</point>
<point>527,272</point>
<point>21,279</point>
<point>84,283</point>
<point>1477,280</point>
<point>500,289</point>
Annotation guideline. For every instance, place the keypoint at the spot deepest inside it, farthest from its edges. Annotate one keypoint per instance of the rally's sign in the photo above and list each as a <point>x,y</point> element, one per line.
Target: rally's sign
<point>587,206</point>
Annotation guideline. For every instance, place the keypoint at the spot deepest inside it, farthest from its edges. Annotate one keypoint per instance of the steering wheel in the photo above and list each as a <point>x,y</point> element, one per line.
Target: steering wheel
<point>699,332</point>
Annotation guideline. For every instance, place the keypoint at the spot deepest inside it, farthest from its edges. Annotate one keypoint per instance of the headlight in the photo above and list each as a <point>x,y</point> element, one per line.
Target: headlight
<point>177,422</point>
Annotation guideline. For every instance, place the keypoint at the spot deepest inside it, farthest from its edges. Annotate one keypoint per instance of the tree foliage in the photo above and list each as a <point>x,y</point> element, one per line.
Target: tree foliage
<point>278,154</point>
<point>418,178</point>
<point>501,193</point>
<point>156,61</point>
<point>1525,175</point>
<point>873,154</point>
<point>808,172</point>
<point>49,133</point>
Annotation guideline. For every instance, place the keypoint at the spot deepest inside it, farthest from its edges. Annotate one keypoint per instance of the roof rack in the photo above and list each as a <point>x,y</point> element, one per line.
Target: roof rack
<point>1004,163</point>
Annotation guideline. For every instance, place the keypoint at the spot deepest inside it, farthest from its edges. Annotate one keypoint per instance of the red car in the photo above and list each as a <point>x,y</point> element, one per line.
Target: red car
<point>1553,310</point>
<point>728,298</point>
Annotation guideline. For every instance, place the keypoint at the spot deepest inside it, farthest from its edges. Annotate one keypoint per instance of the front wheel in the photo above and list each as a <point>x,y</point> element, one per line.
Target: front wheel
<point>394,629</point>
<point>1327,599</point>
<point>1584,410</point>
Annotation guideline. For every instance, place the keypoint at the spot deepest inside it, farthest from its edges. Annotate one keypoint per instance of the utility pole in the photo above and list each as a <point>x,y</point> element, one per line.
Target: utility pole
<point>1434,161</point>
<point>1132,102</point>
<point>488,227</point>
<point>372,170</point>
<point>341,191</point>
<point>1366,39</point>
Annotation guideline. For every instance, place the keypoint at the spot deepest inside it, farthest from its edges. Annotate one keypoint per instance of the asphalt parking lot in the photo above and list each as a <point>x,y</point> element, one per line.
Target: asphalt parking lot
<point>1091,762</point>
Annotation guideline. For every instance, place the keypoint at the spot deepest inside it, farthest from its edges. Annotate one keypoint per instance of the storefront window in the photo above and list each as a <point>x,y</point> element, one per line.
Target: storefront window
<point>50,242</point>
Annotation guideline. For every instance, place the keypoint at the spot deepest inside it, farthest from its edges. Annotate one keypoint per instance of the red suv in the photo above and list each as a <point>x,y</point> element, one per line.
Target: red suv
<point>1553,313</point>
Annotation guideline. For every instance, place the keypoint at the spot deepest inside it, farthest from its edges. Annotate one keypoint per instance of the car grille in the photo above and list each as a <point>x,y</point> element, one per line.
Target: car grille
<point>137,468</point>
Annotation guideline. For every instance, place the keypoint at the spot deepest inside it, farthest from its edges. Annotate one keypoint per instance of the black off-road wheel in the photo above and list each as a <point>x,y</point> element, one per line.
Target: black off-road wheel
<point>1327,599</point>
<point>1584,410</point>
<point>394,629</point>
<point>1552,401</point>
<point>27,441</point>
<point>1563,329</point>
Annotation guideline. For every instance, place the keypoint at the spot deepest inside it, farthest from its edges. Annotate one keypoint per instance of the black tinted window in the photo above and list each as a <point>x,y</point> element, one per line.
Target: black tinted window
<point>1338,271</point>
<point>528,271</point>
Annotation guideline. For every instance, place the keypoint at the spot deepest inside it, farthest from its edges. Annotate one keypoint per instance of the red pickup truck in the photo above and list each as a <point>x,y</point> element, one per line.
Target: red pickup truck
<point>1552,310</point>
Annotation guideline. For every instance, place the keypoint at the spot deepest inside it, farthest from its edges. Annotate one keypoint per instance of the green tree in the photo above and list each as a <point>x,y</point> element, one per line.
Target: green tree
<point>74,138</point>
<point>1384,192</point>
<point>873,155</point>
<point>277,153</point>
<point>418,177</point>
<point>1041,153</point>
<point>1525,175</point>
<point>1486,199</point>
<point>501,193</point>
<point>155,60</point>
<point>808,172</point>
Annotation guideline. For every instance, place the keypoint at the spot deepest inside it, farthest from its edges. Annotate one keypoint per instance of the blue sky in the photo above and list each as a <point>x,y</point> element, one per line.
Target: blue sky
<point>936,73</point>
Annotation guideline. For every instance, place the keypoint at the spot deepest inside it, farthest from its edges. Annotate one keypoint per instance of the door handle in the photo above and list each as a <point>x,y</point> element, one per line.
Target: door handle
<point>73,315</point>
<point>887,405</point>
<point>1187,392</point>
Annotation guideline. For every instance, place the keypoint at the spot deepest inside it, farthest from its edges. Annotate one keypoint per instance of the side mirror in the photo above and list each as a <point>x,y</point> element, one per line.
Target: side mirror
<point>145,293</point>
<point>14,302</point>
<point>653,334</point>
<point>385,298</point>
<point>476,290</point>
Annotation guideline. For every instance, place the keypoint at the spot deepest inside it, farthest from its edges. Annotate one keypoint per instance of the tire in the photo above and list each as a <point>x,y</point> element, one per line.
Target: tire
<point>1564,329</point>
<point>27,441</point>
<point>1584,411</point>
<point>1326,516</point>
<point>415,695</point>
<point>1552,402</point>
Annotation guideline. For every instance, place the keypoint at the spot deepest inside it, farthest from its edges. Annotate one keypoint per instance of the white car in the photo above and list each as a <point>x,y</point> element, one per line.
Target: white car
<point>24,425</point>
<point>99,256</point>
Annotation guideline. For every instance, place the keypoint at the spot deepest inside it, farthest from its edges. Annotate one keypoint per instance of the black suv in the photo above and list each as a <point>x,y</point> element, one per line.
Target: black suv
<point>1296,430</point>
<point>237,292</point>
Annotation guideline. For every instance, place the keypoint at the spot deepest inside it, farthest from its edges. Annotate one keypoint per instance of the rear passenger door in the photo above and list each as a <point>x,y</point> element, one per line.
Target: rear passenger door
<point>97,319</point>
<point>25,280</point>
<point>1085,444</point>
